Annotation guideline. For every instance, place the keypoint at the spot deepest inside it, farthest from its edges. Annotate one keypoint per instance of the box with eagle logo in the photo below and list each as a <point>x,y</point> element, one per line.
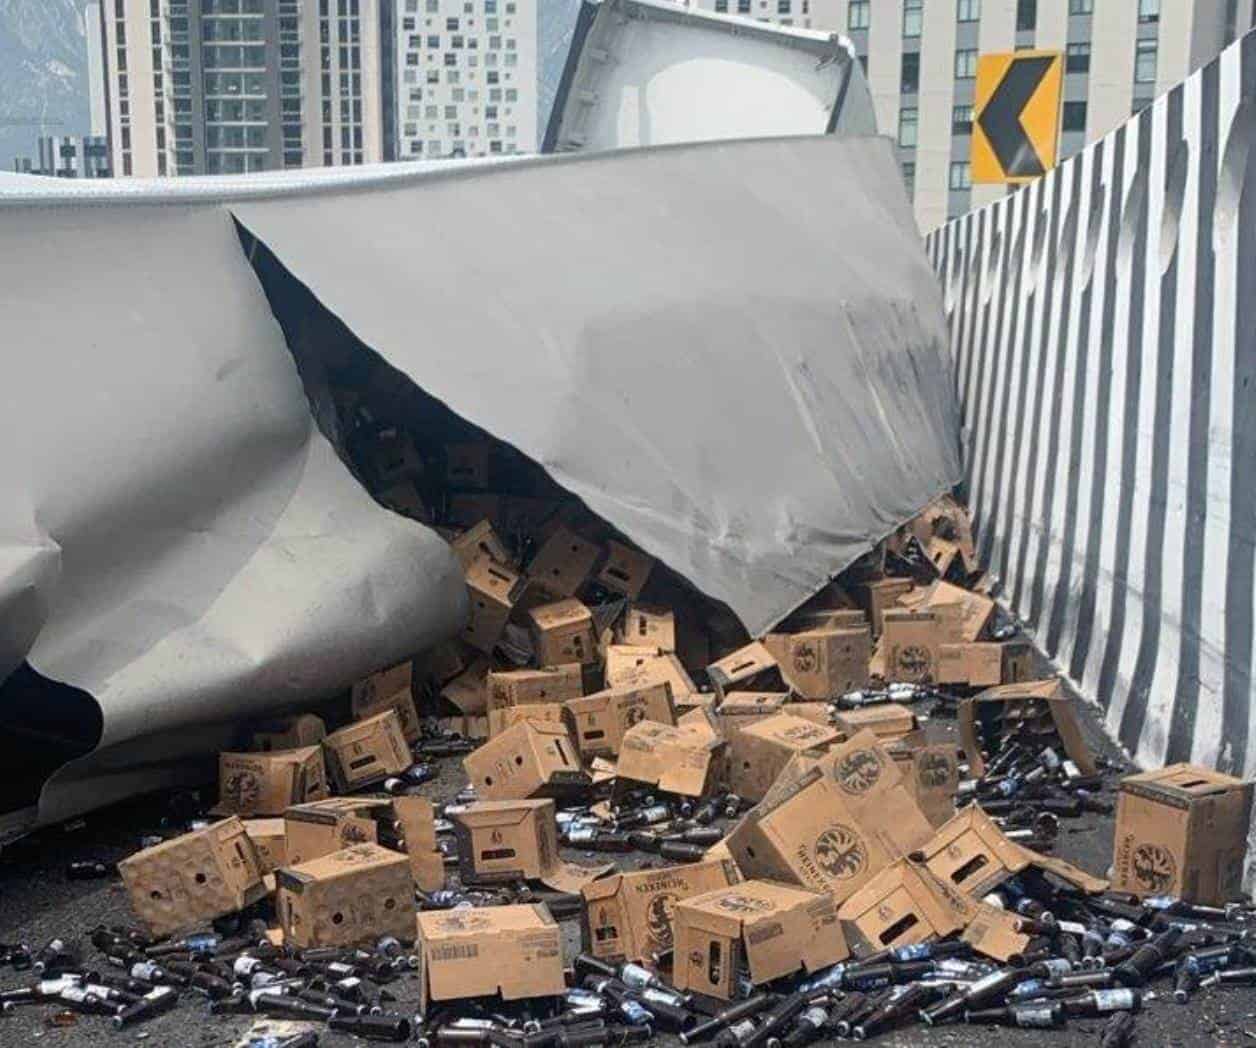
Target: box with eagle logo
<point>268,783</point>
<point>822,663</point>
<point>758,752</point>
<point>352,895</point>
<point>628,916</point>
<point>776,928</point>
<point>908,650</point>
<point>832,823</point>
<point>511,951</point>
<point>598,721</point>
<point>322,827</point>
<point>1182,831</point>
<point>931,773</point>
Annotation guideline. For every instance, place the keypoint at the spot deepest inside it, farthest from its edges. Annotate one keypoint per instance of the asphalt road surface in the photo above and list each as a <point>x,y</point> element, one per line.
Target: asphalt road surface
<point>37,902</point>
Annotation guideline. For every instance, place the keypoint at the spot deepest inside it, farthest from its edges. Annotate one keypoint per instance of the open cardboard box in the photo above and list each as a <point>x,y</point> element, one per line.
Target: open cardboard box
<point>684,759</point>
<point>1039,708</point>
<point>758,752</point>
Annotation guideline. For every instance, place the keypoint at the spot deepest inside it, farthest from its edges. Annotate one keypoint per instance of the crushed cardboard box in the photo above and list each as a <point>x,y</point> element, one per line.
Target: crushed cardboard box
<point>1038,709</point>
<point>390,689</point>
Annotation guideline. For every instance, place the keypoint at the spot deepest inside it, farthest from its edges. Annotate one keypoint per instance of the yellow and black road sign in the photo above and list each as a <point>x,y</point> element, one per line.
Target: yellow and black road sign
<point>1016,120</point>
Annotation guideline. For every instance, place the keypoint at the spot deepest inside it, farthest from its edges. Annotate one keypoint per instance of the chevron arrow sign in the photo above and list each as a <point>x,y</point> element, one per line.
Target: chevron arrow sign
<point>1016,127</point>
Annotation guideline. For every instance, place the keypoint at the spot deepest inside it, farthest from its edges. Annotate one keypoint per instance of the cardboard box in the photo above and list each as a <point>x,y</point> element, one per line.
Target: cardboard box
<point>684,759</point>
<point>469,690</point>
<point>466,464</point>
<point>902,905</point>
<point>758,752</point>
<point>367,752</point>
<point>598,721</point>
<point>826,619</point>
<point>289,733</point>
<point>985,664</point>
<point>931,773</point>
<point>390,689</point>
<point>527,760</point>
<point>630,666</point>
<point>193,878</point>
<point>417,821</point>
<point>835,825</point>
<point>563,563</point>
<point>909,645</point>
<point>821,664</point>
<point>555,684</point>
<point>648,627</point>
<point>628,916</point>
<point>881,595</point>
<point>1039,709</point>
<point>492,590</point>
<point>352,895</point>
<point>267,783</point>
<point>740,709</point>
<point>1182,831</point>
<point>887,720</point>
<point>514,951</point>
<point>752,666</point>
<point>563,633</point>
<point>322,827</point>
<point>976,610</point>
<point>536,713</point>
<point>480,542</point>
<point>778,929</point>
<point>970,854</point>
<point>625,570</point>
<point>504,841</point>
<point>270,842</point>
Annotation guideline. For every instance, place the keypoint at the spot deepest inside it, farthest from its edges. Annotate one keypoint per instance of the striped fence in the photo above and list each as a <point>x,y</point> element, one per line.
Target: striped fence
<point>1103,321</point>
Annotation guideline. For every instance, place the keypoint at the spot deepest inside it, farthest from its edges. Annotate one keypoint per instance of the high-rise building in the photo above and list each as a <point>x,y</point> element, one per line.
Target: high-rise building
<point>920,57</point>
<point>226,86</point>
<point>96,70</point>
<point>467,77</point>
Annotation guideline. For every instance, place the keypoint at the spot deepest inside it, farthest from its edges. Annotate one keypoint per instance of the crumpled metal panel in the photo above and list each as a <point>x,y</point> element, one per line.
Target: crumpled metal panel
<point>734,352</point>
<point>177,540</point>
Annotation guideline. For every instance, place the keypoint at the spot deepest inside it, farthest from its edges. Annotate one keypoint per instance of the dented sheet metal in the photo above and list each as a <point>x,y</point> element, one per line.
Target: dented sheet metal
<point>177,540</point>
<point>733,352</point>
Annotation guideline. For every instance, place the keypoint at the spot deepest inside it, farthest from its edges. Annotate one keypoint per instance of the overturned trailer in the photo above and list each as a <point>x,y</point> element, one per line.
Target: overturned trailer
<point>712,370</point>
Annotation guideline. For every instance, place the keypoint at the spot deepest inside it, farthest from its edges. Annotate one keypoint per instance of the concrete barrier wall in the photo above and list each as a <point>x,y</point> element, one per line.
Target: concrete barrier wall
<point>1103,321</point>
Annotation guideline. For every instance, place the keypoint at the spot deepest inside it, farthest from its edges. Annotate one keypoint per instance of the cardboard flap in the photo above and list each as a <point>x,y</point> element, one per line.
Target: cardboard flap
<point>418,827</point>
<point>469,690</point>
<point>571,877</point>
<point>993,932</point>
